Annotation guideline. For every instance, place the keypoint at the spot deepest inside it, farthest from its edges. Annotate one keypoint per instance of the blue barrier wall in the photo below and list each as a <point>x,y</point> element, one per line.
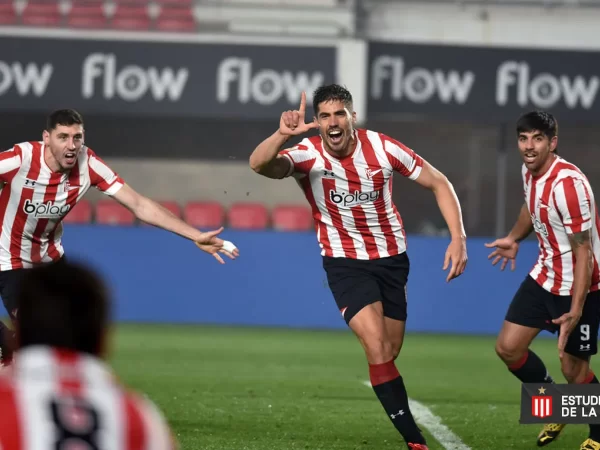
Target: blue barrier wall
<point>279,280</point>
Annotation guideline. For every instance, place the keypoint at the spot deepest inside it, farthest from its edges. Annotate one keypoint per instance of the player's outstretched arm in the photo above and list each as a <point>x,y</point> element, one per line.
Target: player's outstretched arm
<point>449,205</point>
<point>151,212</point>
<point>264,160</point>
<point>506,248</point>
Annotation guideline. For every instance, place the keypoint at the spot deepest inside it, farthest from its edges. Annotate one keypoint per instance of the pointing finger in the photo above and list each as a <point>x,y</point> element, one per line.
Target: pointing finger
<point>302,109</point>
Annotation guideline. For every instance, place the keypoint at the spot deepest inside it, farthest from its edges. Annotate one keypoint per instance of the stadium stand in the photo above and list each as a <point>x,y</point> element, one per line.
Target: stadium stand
<point>266,16</point>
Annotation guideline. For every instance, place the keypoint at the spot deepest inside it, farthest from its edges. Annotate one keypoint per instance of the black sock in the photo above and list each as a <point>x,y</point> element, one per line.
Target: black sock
<point>531,369</point>
<point>389,388</point>
<point>594,428</point>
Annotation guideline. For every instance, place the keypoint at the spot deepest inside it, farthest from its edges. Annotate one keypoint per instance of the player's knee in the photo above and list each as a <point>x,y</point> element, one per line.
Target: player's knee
<point>508,353</point>
<point>379,351</point>
<point>573,369</point>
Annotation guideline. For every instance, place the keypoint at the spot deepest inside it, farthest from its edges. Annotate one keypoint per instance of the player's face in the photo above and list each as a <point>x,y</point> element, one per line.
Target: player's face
<point>336,125</point>
<point>65,143</point>
<point>536,150</point>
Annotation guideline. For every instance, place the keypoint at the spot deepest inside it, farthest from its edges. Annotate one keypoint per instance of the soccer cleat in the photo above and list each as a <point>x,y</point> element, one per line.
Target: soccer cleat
<point>424,447</point>
<point>550,433</point>
<point>590,444</point>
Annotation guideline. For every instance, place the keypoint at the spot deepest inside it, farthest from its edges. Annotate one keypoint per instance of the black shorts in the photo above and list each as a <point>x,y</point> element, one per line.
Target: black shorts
<point>9,285</point>
<point>357,283</point>
<point>535,307</point>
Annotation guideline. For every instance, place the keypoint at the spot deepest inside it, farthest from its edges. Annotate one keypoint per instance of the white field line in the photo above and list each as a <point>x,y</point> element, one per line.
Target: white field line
<point>425,417</point>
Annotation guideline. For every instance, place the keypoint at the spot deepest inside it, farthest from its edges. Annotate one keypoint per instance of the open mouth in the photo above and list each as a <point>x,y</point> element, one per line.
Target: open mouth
<point>335,136</point>
<point>70,157</point>
<point>529,157</point>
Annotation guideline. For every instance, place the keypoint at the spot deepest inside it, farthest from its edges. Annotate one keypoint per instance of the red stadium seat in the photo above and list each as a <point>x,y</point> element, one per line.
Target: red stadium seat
<point>81,213</point>
<point>292,218</point>
<point>87,14</point>
<point>204,215</point>
<point>109,212</point>
<point>8,16</point>
<point>131,17</point>
<point>41,13</point>
<point>175,19</point>
<point>171,206</point>
<point>248,216</point>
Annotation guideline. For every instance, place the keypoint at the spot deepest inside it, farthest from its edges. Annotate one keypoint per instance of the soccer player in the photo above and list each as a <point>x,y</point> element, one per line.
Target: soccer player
<point>561,292</point>
<point>346,175</point>
<point>59,392</point>
<point>42,181</point>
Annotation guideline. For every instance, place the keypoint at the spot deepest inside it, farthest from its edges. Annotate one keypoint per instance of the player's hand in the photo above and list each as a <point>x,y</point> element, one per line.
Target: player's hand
<point>506,249</point>
<point>457,254</point>
<point>210,243</point>
<point>567,322</point>
<point>292,122</point>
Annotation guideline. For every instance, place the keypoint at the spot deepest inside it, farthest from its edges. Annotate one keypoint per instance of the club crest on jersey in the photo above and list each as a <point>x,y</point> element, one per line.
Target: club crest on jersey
<point>538,226</point>
<point>371,173</point>
<point>349,199</point>
<point>46,210</point>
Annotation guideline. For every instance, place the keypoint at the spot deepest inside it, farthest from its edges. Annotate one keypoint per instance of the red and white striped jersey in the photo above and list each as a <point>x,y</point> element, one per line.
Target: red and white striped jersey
<point>55,399</point>
<point>351,197</point>
<point>561,202</point>
<point>34,200</point>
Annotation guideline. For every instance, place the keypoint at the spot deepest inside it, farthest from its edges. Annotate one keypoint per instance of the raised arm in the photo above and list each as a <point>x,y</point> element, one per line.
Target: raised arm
<point>265,159</point>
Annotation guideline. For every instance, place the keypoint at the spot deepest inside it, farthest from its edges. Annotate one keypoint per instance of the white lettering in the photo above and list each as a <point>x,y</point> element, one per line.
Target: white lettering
<point>132,82</point>
<point>419,85</point>
<point>544,90</point>
<point>265,87</point>
<point>26,79</point>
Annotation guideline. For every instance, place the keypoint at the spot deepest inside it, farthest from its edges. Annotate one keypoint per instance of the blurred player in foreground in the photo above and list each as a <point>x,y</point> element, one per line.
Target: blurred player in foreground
<point>60,393</point>
<point>42,182</point>
<point>561,293</point>
<point>346,176</point>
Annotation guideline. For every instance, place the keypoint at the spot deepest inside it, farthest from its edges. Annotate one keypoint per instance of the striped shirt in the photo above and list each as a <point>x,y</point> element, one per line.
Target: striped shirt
<point>55,399</point>
<point>34,200</point>
<point>561,203</point>
<point>351,197</point>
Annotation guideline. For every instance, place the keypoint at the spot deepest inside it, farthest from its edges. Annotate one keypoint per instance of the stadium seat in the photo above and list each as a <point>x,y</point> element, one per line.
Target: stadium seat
<point>248,216</point>
<point>204,215</point>
<point>109,212</point>
<point>87,14</point>
<point>291,218</point>
<point>131,17</point>
<point>81,213</point>
<point>171,206</point>
<point>8,16</point>
<point>42,13</point>
<point>175,19</point>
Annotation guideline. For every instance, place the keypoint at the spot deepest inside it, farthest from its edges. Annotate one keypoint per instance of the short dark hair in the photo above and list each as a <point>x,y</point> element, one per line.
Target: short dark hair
<point>331,92</point>
<point>63,305</point>
<point>538,120</point>
<point>66,117</point>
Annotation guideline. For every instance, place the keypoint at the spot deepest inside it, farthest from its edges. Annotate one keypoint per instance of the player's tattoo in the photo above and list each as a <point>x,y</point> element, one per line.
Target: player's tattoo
<point>579,239</point>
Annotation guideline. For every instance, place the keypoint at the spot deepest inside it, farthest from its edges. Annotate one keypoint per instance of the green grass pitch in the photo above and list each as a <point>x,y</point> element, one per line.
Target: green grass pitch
<point>279,389</point>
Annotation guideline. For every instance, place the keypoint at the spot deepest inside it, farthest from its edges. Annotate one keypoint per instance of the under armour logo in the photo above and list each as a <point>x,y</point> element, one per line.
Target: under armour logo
<point>584,347</point>
<point>400,413</point>
<point>329,174</point>
<point>29,183</point>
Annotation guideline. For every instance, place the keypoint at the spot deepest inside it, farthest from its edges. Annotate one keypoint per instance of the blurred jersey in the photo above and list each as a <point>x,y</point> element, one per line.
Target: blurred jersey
<point>61,400</point>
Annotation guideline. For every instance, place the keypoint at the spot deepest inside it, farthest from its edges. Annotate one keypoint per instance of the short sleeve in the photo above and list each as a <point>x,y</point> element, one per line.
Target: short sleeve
<point>572,201</point>
<point>301,157</point>
<point>403,159</point>
<point>103,177</point>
